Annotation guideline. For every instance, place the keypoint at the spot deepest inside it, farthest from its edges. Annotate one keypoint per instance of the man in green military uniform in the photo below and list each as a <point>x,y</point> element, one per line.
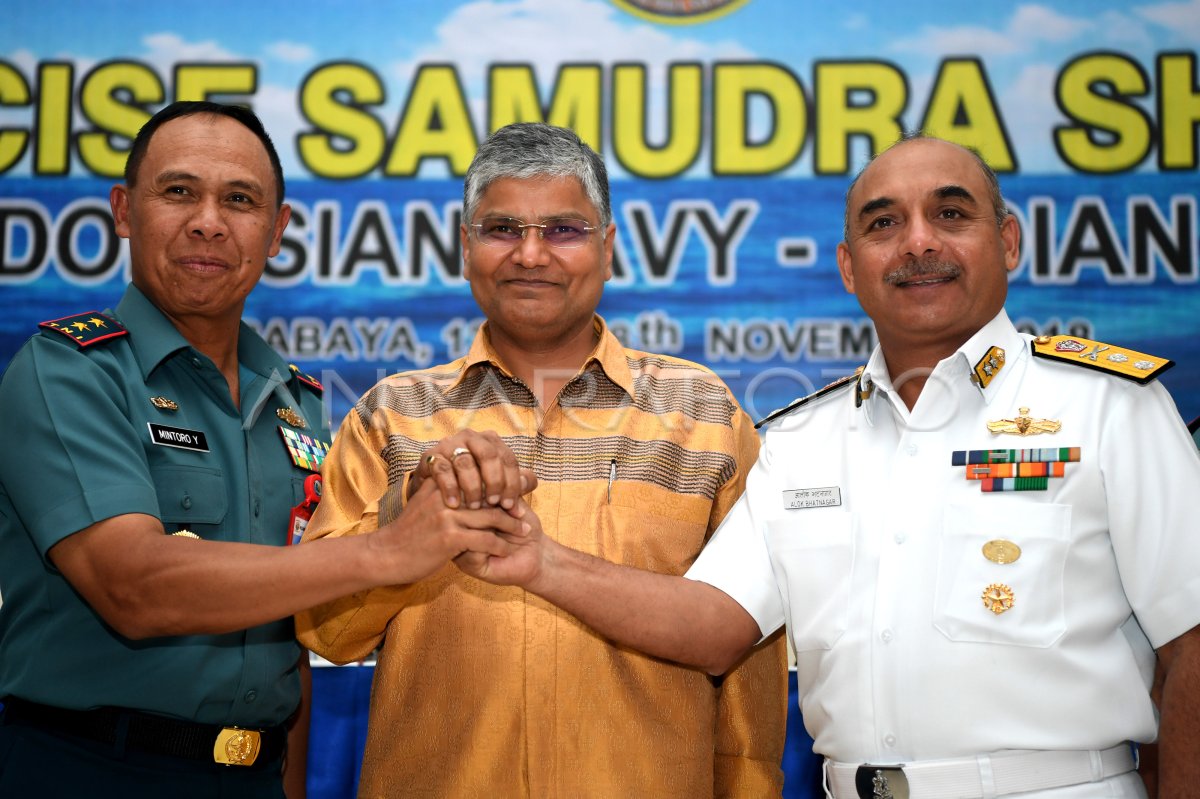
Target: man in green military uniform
<point>159,457</point>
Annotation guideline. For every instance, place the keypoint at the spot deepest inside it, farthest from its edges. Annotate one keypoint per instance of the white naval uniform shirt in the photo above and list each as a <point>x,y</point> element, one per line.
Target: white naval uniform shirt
<point>898,658</point>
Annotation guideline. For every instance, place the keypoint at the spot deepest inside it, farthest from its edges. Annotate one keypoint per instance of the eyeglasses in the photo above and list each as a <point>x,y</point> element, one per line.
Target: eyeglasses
<point>504,231</point>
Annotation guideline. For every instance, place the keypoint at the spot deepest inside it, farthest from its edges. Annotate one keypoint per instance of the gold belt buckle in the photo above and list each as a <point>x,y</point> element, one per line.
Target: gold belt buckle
<point>237,747</point>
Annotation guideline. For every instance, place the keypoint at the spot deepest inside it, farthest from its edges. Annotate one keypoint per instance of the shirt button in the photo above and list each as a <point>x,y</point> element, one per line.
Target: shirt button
<point>887,636</point>
<point>251,696</point>
<point>900,538</point>
<point>196,363</point>
<point>257,507</point>
<point>911,449</point>
<point>889,740</point>
<point>186,503</point>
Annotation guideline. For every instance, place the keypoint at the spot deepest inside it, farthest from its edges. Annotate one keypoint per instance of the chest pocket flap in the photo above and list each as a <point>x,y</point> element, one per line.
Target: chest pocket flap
<point>190,494</point>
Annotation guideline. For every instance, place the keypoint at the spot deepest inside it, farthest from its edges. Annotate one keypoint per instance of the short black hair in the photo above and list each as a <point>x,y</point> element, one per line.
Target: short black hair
<point>185,108</point>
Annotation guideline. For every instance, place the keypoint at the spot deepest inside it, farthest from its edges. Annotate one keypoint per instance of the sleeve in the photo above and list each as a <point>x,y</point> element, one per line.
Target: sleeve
<point>1150,463</point>
<point>88,462</point>
<point>354,478</point>
<point>736,560</point>
<point>752,704</point>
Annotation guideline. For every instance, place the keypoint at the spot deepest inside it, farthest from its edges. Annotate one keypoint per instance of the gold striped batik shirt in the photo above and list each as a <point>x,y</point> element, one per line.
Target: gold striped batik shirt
<point>485,690</point>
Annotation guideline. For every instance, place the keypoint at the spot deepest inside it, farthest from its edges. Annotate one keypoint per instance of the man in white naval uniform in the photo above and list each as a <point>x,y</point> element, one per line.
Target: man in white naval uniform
<point>978,546</point>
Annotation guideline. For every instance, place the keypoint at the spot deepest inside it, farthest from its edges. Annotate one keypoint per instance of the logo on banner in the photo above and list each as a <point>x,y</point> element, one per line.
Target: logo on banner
<point>679,11</point>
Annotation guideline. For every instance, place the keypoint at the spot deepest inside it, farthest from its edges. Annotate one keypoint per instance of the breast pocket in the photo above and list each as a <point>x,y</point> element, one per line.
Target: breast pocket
<point>189,495</point>
<point>813,560</point>
<point>1033,582</point>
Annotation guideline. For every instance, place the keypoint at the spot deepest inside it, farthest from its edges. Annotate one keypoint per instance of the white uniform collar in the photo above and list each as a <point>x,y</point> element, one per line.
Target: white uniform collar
<point>992,355</point>
<point>986,360</point>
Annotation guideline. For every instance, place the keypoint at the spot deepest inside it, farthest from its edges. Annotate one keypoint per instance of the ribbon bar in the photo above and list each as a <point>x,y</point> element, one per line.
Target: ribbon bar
<point>993,484</point>
<point>962,457</point>
<point>1035,469</point>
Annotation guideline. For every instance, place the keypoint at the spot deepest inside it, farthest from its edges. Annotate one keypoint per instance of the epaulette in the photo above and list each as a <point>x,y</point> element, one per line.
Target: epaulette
<point>1130,364</point>
<point>306,379</point>
<point>86,329</point>
<point>821,392</point>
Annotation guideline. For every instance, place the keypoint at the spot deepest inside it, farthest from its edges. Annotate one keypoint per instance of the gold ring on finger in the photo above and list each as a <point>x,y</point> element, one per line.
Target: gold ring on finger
<point>429,459</point>
<point>459,451</point>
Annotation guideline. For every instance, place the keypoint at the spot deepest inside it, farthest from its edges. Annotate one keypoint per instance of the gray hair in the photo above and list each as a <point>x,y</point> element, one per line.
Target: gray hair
<point>536,150</point>
<point>989,177</point>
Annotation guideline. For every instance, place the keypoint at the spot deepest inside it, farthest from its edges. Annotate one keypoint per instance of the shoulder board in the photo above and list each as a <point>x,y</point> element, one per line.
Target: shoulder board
<point>306,379</point>
<point>1129,364</point>
<point>86,329</point>
<point>841,382</point>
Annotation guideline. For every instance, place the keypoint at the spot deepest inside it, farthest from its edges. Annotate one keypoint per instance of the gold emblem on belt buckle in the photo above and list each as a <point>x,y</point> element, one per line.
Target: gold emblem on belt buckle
<point>881,782</point>
<point>237,747</point>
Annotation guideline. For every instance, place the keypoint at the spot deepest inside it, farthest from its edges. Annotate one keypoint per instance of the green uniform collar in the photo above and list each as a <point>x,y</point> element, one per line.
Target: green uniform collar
<point>154,339</point>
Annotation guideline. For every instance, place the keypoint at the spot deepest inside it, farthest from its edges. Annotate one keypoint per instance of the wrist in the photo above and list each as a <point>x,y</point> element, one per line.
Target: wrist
<point>552,562</point>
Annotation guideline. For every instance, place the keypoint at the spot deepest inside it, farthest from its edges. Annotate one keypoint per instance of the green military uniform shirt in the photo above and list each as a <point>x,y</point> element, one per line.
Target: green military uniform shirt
<point>84,442</point>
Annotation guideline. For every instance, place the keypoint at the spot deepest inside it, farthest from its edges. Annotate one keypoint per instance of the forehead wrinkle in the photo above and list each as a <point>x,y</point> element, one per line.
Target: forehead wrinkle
<point>176,174</point>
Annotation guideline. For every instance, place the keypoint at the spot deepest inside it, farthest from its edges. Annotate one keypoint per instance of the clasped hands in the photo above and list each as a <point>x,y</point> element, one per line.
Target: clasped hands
<point>465,501</point>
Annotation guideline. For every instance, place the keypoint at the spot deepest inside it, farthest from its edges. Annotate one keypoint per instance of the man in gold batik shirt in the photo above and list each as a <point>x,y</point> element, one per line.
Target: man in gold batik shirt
<point>483,690</point>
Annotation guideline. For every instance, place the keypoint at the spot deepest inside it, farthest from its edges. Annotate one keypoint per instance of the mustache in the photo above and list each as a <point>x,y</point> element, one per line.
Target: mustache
<point>922,268</point>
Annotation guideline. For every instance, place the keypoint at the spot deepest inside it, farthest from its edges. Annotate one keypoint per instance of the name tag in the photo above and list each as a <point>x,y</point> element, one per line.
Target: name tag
<point>829,497</point>
<point>178,437</point>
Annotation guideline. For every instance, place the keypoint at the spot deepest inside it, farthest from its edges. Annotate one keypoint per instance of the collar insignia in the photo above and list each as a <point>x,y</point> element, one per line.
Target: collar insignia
<point>988,367</point>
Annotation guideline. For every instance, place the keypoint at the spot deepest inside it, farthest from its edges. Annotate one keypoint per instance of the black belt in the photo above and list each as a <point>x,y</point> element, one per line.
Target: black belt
<point>160,735</point>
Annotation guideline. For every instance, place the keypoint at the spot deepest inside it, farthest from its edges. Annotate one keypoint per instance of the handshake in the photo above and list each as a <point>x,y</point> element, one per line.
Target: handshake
<point>466,501</point>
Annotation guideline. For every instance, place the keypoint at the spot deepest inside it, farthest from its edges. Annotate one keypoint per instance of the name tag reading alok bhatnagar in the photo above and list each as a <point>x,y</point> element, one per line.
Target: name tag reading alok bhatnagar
<point>828,497</point>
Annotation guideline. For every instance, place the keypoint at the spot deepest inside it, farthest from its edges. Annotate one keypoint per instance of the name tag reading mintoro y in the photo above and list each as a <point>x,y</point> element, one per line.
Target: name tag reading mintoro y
<point>828,497</point>
<point>178,437</point>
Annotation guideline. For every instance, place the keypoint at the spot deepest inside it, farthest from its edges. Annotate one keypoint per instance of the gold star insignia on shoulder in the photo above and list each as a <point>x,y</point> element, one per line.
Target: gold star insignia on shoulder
<point>306,379</point>
<point>164,404</point>
<point>1130,364</point>
<point>290,416</point>
<point>988,367</point>
<point>87,328</point>
<point>1024,425</point>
